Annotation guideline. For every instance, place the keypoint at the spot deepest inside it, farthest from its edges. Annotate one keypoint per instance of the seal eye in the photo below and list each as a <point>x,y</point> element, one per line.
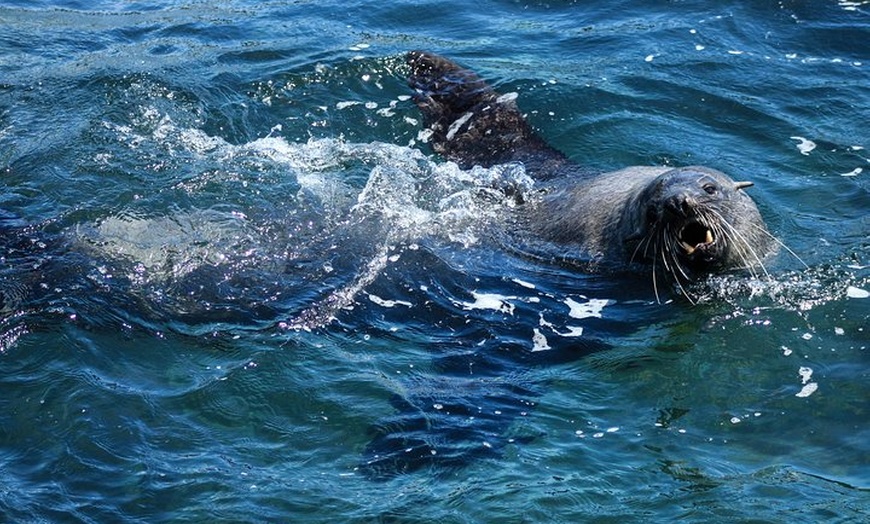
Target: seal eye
<point>710,188</point>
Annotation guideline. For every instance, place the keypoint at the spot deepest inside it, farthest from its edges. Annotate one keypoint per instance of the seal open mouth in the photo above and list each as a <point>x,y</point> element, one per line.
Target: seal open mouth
<point>695,236</point>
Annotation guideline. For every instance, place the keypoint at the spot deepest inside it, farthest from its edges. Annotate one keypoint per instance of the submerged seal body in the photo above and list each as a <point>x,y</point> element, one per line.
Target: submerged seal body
<point>682,221</point>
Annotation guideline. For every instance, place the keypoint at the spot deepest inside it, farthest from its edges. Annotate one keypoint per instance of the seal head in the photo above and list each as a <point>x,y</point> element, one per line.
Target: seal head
<point>694,220</point>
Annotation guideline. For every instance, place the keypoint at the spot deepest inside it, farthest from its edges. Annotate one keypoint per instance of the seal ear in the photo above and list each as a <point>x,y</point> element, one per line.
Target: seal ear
<point>743,185</point>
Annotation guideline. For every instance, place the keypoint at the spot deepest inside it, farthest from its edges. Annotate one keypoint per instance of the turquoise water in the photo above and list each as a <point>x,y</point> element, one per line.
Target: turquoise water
<point>237,286</point>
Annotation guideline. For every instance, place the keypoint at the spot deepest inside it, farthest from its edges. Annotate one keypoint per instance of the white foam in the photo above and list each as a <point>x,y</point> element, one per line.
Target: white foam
<point>424,135</point>
<point>573,331</point>
<point>805,373</point>
<point>388,303</point>
<point>523,283</point>
<point>804,145</point>
<point>807,390</point>
<point>539,341</point>
<point>855,292</point>
<point>491,301</point>
<point>851,5</point>
<point>590,309</point>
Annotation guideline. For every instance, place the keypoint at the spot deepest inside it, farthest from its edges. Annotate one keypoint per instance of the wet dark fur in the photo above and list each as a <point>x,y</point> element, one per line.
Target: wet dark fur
<point>662,216</point>
<point>471,123</point>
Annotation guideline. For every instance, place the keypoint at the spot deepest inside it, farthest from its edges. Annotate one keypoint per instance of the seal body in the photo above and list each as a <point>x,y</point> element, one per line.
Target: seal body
<point>682,221</point>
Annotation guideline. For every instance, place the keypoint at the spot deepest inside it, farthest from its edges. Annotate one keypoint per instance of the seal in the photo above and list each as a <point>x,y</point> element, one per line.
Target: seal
<point>684,222</point>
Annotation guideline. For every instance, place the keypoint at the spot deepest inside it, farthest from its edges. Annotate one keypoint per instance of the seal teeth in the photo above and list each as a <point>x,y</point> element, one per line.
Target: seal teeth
<point>691,245</point>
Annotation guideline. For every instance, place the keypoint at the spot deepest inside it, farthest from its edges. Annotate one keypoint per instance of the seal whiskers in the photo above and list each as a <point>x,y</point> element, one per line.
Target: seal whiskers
<point>675,263</point>
<point>780,243</point>
<point>741,244</point>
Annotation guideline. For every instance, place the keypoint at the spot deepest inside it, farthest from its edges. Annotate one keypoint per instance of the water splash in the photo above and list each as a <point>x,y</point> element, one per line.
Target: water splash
<point>271,202</point>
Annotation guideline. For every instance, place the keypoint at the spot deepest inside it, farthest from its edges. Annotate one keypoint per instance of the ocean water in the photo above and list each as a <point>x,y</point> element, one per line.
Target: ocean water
<point>237,286</point>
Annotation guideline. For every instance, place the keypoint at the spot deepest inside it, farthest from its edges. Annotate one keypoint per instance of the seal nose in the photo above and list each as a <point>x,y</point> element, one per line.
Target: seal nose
<point>680,205</point>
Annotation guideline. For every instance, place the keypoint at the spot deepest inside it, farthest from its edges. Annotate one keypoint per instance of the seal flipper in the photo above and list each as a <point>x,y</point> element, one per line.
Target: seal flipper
<point>471,123</point>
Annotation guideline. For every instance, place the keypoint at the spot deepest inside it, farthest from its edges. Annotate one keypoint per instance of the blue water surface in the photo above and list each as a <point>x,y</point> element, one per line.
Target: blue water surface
<point>237,285</point>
